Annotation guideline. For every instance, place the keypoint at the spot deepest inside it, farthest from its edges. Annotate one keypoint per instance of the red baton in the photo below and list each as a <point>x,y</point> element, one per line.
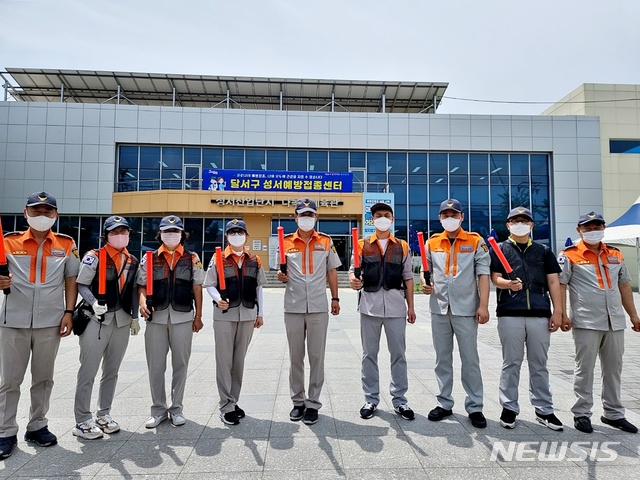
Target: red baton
<point>102,278</point>
<point>4,267</point>
<point>502,258</point>
<point>149,265</point>
<point>423,256</point>
<point>222,283</point>
<point>283,257</point>
<point>356,253</point>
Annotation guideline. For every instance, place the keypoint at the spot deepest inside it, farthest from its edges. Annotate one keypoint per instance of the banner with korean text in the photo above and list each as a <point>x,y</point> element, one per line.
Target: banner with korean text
<point>276,181</point>
<point>369,199</point>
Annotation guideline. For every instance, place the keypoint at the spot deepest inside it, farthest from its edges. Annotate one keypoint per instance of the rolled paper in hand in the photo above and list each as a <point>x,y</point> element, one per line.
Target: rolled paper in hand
<point>423,257</point>
<point>357,271</point>
<point>502,258</point>
<point>283,257</point>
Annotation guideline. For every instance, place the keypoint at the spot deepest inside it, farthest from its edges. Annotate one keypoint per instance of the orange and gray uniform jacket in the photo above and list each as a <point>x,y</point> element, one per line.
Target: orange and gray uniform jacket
<point>39,272</point>
<point>454,270</point>
<point>593,281</point>
<point>307,267</point>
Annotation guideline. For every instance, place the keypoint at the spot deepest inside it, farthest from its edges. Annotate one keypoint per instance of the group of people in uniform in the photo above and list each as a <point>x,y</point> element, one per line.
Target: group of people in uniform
<point>46,275</point>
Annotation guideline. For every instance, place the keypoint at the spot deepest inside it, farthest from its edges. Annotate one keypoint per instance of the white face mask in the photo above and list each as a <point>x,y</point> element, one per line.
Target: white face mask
<point>306,224</point>
<point>41,223</point>
<point>237,239</point>
<point>593,238</point>
<point>451,224</point>
<point>171,239</point>
<point>519,229</point>
<point>119,241</point>
<point>382,223</point>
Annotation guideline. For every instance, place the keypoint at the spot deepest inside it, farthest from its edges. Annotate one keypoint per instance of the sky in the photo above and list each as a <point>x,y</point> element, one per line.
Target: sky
<point>504,51</point>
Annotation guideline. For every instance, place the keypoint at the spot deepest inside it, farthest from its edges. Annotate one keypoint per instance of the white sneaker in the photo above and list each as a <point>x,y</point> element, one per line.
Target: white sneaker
<point>87,430</point>
<point>154,420</point>
<point>178,420</point>
<point>107,424</point>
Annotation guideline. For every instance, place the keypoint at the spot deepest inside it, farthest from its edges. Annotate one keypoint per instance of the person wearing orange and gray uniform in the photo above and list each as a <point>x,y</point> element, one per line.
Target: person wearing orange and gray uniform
<point>107,334</point>
<point>311,262</point>
<point>385,299</point>
<point>43,267</point>
<point>235,316</point>
<point>459,265</point>
<point>177,286</point>
<point>599,293</point>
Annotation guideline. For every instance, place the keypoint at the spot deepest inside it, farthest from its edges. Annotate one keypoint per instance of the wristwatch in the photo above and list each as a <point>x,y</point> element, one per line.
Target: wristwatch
<point>335,299</point>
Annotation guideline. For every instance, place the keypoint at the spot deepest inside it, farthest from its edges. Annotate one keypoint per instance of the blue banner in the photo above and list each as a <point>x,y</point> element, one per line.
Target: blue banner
<point>276,181</point>
<point>369,199</point>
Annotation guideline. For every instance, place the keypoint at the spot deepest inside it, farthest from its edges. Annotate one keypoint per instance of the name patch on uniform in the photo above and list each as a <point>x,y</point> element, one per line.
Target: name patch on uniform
<point>319,246</point>
<point>19,252</point>
<point>57,252</point>
<point>293,250</point>
<point>613,259</point>
<point>438,250</point>
<point>89,260</point>
<point>466,248</point>
<point>584,262</point>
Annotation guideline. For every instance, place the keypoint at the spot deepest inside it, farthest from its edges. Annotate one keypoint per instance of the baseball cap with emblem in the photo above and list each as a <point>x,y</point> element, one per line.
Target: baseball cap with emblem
<point>520,212</point>
<point>171,222</point>
<point>114,222</point>
<point>235,223</point>
<point>306,205</point>
<point>381,206</point>
<point>590,217</point>
<point>451,204</point>
<point>42,198</point>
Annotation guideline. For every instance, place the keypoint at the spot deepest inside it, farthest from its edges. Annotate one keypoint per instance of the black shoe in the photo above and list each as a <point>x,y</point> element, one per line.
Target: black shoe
<point>478,420</point>
<point>583,424</point>
<point>239,412</point>
<point>6,446</point>
<point>367,410</point>
<point>621,423</point>
<point>550,421</point>
<point>296,413</point>
<point>42,437</point>
<point>405,411</point>
<point>310,416</point>
<point>229,418</point>
<point>508,418</point>
<point>438,414</point>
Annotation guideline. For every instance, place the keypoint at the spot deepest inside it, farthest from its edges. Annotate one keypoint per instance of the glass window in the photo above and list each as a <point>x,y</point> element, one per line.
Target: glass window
<point>135,235</point>
<point>400,193</point>
<point>289,225</point>
<point>193,231</point>
<point>539,164</point>
<point>150,158</point>
<point>90,233</point>
<point>438,164</point>
<point>358,180</point>
<point>376,162</point>
<point>69,225</point>
<point>417,164</point>
<point>128,169</point>
<point>624,146</point>
<point>212,158</point>
<point>150,227</point>
<point>357,159</point>
<point>276,160</point>
<point>172,158</point>
<point>297,160</point>
<point>519,191</point>
<point>519,164</point>
<point>213,237</point>
<point>338,161</point>
<point>8,223</point>
<point>192,156</point>
<point>397,163</point>
<point>255,160</point>
<point>192,180</point>
<point>171,179</point>
<point>234,158</point>
<point>318,161</point>
<point>334,227</point>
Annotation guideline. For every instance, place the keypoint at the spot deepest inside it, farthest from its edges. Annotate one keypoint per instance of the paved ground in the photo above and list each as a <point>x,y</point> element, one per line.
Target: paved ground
<point>268,445</point>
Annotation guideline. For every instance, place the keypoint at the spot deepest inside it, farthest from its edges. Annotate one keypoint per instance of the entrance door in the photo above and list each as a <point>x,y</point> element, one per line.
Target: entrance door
<point>342,248</point>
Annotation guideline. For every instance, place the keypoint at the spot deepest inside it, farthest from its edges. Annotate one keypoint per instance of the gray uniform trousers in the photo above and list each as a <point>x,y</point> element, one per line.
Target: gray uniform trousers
<point>609,345</point>
<point>515,333</point>
<point>16,346</point>
<point>158,339</point>
<point>465,329</point>
<point>370,332</point>
<point>108,345</point>
<point>312,327</point>
<point>232,341</point>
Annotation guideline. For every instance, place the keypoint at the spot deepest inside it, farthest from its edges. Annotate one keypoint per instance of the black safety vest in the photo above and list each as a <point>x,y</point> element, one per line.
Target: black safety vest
<point>529,266</point>
<point>115,298</point>
<point>382,272</point>
<point>173,287</point>
<point>241,282</point>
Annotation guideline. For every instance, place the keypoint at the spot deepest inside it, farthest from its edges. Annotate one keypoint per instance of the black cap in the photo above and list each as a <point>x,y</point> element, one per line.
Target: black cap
<point>42,198</point>
<point>451,204</point>
<point>520,212</point>
<point>381,206</point>
<point>306,205</point>
<point>171,222</point>
<point>114,222</point>
<point>590,217</point>
<point>235,223</point>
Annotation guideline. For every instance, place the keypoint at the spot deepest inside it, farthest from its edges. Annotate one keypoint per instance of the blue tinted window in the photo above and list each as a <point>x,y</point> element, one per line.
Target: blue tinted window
<point>438,164</point>
<point>318,161</point>
<point>128,157</point>
<point>276,160</point>
<point>624,146</point>
<point>192,156</point>
<point>338,161</point>
<point>150,158</point>
<point>234,158</point>
<point>172,157</point>
<point>539,164</point>
<point>357,159</point>
<point>376,162</point>
<point>255,160</point>
<point>397,163</point>
<point>212,158</point>
<point>297,161</point>
<point>519,164</point>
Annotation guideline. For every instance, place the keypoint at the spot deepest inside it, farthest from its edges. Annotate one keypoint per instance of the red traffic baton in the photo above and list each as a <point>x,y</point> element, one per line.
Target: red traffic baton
<point>4,267</point>
<point>283,258</point>
<point>222,282</point>
<point>102,278</point>
<point>357,271</point>
<point>149,266</point>
<point>502,258</point>
<point>423,257</point>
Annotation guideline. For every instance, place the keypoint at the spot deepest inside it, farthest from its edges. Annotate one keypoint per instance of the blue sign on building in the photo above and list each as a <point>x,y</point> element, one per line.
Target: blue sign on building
<point>276,181</point>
